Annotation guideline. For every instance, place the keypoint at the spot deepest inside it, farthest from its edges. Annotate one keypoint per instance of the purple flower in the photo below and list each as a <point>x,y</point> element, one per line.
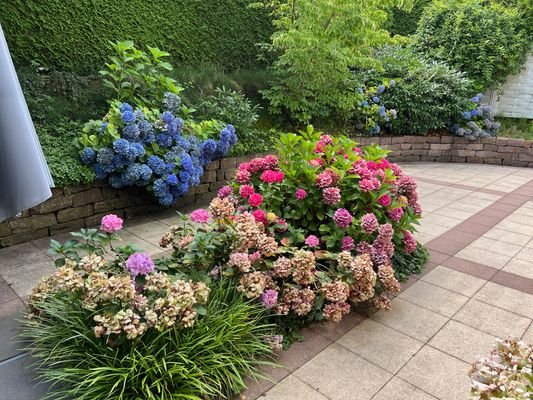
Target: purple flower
<point>224,191</point>
<point>300,194</point>
<point>200,216</point>
<point>347,243</point>
<point>139,264</point>
<point>342,218</point>
<point>269,298</point>
<point>369,223</point>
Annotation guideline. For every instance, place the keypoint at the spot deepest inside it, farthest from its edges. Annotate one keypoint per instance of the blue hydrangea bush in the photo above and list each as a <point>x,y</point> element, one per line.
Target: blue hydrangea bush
<point>477,121</point>
<point>147,147</point>
<point>370,114</point>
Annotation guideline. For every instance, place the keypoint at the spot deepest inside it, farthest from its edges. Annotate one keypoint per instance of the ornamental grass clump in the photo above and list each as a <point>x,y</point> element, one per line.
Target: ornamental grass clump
<point>106,325</point>
<point>506,373</point>
<point>291,243</point>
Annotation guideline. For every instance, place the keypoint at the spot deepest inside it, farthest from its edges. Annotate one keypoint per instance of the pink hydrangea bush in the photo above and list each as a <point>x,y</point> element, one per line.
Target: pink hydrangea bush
<point>507,373</point>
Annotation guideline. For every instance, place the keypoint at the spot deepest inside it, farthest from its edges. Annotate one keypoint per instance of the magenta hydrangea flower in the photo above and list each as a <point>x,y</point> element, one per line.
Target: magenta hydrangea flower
<point>312,241</point>
<point>246,191</point>
<point>111,223</point>
<point>331,195</point>
<point>342,218</point>
<point>384,200</point>
<point>243,176</point>
<point>396,214</point>
<point>369,184</point>
<point>255,200</point>
<point>409,242</point>
<point>300,194</point>
<point>139,264</point>
<point>324,180</point>
<point>347,244</point>
<point>270,176</point>
<point>224,191</point>
<point>269,298</point>
<point>200,216</point>
<point>369,223</point>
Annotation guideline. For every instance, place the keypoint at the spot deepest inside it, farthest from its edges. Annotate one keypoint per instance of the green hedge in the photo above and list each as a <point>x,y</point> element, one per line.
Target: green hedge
<point>403,22</point>
<point>74,35</point>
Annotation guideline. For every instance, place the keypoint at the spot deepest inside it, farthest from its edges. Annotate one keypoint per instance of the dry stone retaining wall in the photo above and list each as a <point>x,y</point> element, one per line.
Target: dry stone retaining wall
<point>74,207</point>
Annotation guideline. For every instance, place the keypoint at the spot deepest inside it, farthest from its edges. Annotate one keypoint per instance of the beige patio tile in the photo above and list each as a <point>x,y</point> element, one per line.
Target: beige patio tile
<point>520,267</point>
<point>462,341</point>
<point>526,254</point>
<point>381,345</point>
<point>148,229</point>
<point>439,374</point>
<point>454,280</point>
<point>511,226</point>
<point>525,210</point>
<point>471,208</point>
<point>424,237</point>
<point>397,389</point>
<point>483,257</point>
<point>492,320</point>
<point>528,335</point>
<point>342,375</point>
<point>508,237</point>
<point>520,219</point>
<point>452,212</point>
<point>432,229</point>
<point>434,298</point>
<point>496,246</point>
<point>506,298</point>
<point>442,220</point>
<point>411,319</point>
<point>292,388</point>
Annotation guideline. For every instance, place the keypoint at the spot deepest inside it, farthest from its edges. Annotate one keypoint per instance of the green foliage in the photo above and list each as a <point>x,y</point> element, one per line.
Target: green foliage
<point>516,128</point>
<point>53,96</point>
<point>404,22</point>
<point>316,44</point>
<point>427,95</point>
<point>487,41</point>
<point>230,107</point>
<point>61,154</point>
<point>73,35</point>
<point>406,265</point>
<point>138,77</point>
<point>207,361</point>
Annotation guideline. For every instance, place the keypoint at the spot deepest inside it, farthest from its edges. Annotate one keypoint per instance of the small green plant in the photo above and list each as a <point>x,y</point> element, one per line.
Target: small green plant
<point>405,264</point>
<point>139,77</point>
<point>487,41</point>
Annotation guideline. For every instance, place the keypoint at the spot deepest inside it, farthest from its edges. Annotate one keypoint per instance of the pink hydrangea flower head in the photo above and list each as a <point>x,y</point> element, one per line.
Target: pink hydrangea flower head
<point>326,139</point>
<point>320,147</point>
<point>243,176</point>
<point>364,248</point>
<point>256,255</point>
<point>384,200</point>
<point>272,162</point>
<point>269,298</point>
<point>396,169</point>
<point>371,165</point>
<point>257,165</point>
<point>409,242</point>
<point>139,264</point>
<point>383,164</point>
<point>369,223</point>
<point>312,241</point>
<point>260,216</point>
<point>331,195</point>
<point>396,214</point>
<point>246,191</point>
<point>369,184</point>
<point>269,176</point>
<point>342,218</point>
<point>244,166</point>
<point>347,244</point>
<point>316,162</point>
<point>111,223</point>
<point>255,200</point>
<point>200,216</point>
<point>300,194</point>
<point>324,180</point>
<point>224,191</point>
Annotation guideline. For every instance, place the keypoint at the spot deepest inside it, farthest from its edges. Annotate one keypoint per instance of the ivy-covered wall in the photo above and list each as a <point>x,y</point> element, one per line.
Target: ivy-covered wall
<point>74,35</point>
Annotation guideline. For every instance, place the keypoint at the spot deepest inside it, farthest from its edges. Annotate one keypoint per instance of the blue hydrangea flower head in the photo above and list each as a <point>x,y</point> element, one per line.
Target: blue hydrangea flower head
<point>480,96</point>
<point>138,149</point>
<point>160,187</point>
<point>145,172</point>
<point>167,200</point>
<point>131,132</point>
<point>116,181</point>
<point>375,99</point>
<point>171,102</point>
<point>382,111</point>
<point>88,155</point>
<point>364,103</point>
<point>172,180</point>
<point>360,90</point>
<point>381,89</point>
<point>99,172</point>
<point>392,83</point>
<point>169,168</point>
<point>167,117</point>
<point>121,146</point>
<point>208,148</point>
<point>474,113</point>
<point>119,162</point>
<point>149,138</point>
<point>139,115</point>
<point>103,127</point>
<point>125,107</point>
<point>128,117</point>
<point>186,163</point>
<point>156,164</point>
<point>184,176</point>
<point>466,115</point>
<point>164,140</point>
<point>105,156</point>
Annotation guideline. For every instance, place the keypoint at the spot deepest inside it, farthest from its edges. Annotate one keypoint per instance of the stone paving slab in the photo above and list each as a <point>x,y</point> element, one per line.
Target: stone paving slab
<point>477,285</point>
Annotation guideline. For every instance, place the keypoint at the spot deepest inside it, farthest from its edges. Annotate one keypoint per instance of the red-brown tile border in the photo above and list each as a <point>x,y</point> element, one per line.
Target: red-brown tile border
<point>444,248</point>
<point>461,186</point>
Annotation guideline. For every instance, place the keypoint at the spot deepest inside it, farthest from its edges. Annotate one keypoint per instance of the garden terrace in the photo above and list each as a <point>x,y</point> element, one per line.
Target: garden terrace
<point>477,285</point>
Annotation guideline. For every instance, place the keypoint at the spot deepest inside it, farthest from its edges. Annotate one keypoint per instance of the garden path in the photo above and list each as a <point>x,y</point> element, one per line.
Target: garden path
<point>478,285</point>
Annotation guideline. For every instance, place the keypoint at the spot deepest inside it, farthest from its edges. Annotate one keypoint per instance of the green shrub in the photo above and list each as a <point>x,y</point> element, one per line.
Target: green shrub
<point>487,41</point>
<point>404,22</point>
<point>73,35</point>
<point>427,95</point>
<point>57,142</point>
<point>406,264</point>
<point>316,44</point>
<point>209,360</point>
